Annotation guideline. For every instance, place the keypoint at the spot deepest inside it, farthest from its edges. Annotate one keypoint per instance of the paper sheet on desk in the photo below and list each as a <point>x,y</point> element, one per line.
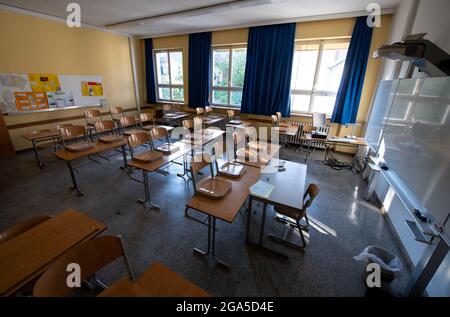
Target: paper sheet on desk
<point>343,140</point>
<point>261,189</point>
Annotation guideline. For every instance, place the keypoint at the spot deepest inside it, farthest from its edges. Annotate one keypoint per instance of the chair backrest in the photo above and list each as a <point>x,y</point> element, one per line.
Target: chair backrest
<point>188,124</point>
<point>200,111</point>
<point>319,119</point>
<point>71,132</point>
<point>127,121</point>
<point>137,139</point>
<point>230,115</point>
<point>274,119</point>
<point>279,116</point>
<point>308,128</point>
<point>177,108</point>
<point>159,133</point>
<point>208,109</point>
<point>167,108</point>
<point>90,114</point>
<point>21,227</point>
<point>90,256</point>
<point>310,194</point>
<point>198,122</point>
<point>59,126</point>
<point>101,126</point>
<point>146,117</point>
<point>117,110</point>
<point>198,162</point>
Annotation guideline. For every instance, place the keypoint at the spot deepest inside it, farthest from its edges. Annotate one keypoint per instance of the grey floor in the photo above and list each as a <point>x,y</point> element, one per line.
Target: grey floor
<point>343,224</point>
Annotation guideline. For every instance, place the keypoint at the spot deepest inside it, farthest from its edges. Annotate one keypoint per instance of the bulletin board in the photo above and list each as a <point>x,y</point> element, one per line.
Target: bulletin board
<point>34,92</point>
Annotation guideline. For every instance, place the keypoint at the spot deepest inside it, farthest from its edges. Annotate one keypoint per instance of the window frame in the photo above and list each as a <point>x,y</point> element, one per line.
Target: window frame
<point>315,92</point>
<point>229,87</point>
<point>170,85</point>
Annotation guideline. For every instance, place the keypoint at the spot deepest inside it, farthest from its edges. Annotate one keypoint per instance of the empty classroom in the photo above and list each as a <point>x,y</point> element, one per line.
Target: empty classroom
<point>248,149</point>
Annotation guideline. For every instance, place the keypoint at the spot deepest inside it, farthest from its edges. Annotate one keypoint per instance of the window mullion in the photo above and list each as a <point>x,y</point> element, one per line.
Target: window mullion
<point>230,62</point>
<point>316,75</point>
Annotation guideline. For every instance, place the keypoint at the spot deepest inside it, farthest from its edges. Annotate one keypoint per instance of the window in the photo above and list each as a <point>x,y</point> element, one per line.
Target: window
<point>316,75</point>
<point>228,75</point>
<point>169,75</point>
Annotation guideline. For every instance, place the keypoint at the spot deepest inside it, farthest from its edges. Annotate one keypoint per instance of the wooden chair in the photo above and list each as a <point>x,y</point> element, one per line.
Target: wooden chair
<point>89,115</point>
<point>116,113</point>
<point>106,131</point>
<point>211,187</point>
<point>167,109</point>
<point>91,256</point>
<point>139,139</point>
<point>297,215</point>
<point>147,121</point>
<point>226,168</point>
<point>128,125</point>
<point>21,227</point>
<point>279,116</point>
<point>161,133</point>
<point>188,124</point>
<point>177,108</point>
<point>208,110</point>
<point>200,111</point>
<point>75,132</point>
<point>230,115</point>
<point>274,120</point>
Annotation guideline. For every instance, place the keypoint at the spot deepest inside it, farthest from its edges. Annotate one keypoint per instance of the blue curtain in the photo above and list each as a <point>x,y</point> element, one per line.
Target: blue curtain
<point>149,72</point>
<point>267,82</point>
<point>199,69</point>
<point>349,93</point>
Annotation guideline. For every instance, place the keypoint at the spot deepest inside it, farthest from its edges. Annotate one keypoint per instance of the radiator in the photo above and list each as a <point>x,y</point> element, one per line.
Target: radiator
<point>296,139</point>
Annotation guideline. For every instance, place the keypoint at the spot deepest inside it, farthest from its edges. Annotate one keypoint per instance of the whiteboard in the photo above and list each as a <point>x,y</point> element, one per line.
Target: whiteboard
<point>415,144</point>
<point>380,112</point>
<point>68,95</point>
<point>73,84</point>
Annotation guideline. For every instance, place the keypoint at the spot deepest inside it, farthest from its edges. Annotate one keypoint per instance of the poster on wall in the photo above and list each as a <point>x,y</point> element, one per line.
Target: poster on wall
<point>21,93</point>
<point>90,88</point>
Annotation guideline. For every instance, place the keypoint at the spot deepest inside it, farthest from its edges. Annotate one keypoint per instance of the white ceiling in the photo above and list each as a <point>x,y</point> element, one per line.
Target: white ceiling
<point>152,18</point>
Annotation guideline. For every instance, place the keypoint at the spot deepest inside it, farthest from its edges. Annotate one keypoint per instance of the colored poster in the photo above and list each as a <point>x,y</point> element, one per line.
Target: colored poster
<point>27,101</point>
<point>44,82</point>
<point>92,89</point>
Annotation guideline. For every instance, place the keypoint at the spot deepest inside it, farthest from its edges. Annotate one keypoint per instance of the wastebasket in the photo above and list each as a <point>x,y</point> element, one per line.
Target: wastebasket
<point>390,264</point>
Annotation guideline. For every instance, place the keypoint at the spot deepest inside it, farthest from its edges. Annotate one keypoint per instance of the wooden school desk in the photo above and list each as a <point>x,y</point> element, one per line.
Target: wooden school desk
<point>157,281</point>
<point>225,209</point>
<point>25,257</point>
<point>99,147</point>
<point>211,134</point>
<point>156,165</point>
<point>37,137</point>
<point>263,159</point>
<point>289,188</point>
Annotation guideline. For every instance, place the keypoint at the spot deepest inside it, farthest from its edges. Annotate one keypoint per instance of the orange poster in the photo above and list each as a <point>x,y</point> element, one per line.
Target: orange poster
<point>29,101</point>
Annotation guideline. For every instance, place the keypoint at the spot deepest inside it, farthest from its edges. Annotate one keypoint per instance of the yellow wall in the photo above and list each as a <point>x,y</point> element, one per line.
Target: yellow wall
<point>30,44</point>
<point>325,29</point>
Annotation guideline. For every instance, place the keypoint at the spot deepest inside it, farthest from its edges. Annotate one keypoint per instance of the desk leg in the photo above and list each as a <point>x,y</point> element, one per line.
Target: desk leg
<point>147,201</point>
<point>36,155</point>
<point>186,171</point>
<point>124,155</point>
<point>212,243</point>
<point>261,233</point>
<point>249,218</point>
<point>263,222</point>
<point>74,180</point>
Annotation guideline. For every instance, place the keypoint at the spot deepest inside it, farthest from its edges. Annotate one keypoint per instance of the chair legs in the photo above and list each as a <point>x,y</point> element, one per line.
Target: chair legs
<point>289,225</point>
